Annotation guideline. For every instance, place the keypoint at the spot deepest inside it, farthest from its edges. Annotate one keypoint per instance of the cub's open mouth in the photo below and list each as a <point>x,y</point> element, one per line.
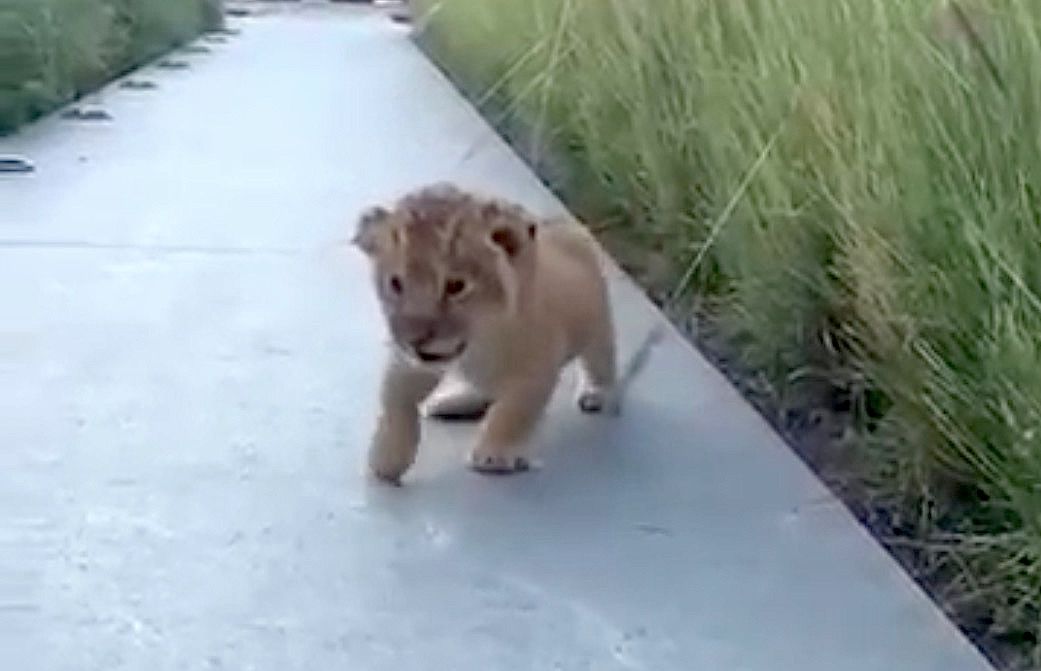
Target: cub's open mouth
<point>440,357</point>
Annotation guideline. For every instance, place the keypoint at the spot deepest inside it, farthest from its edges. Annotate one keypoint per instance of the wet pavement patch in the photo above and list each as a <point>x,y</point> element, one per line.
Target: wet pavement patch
<point>172,64</point>
<point>15,164</point>
<point>138,84</point>
<point>86,114</point>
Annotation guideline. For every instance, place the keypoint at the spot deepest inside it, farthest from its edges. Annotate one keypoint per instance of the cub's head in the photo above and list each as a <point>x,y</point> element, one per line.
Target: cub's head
<point>446,262</point>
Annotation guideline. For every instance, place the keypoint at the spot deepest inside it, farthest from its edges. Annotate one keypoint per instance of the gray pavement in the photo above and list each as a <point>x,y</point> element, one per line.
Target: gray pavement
<point>188,360</point>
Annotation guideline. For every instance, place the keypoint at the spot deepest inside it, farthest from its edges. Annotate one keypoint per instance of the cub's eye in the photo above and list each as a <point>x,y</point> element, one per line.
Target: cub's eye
<point>395,284</point>
<point>455,287</point>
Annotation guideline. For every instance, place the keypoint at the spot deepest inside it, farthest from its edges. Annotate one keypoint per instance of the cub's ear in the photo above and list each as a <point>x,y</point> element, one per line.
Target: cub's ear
<point>514,239</point>
<point>368,233</point>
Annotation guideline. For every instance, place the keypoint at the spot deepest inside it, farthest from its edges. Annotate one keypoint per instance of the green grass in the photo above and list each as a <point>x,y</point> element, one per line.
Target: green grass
<point>54,50</point>
<point>857,193</point>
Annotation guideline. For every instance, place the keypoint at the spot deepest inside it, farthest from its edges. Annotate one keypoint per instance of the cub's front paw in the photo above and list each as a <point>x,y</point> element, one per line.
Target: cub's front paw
<point>393,449</point>
<point>501,461</point>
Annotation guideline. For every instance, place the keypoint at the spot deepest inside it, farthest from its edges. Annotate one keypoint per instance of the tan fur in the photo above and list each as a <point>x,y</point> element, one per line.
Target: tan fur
<point>534,300</point>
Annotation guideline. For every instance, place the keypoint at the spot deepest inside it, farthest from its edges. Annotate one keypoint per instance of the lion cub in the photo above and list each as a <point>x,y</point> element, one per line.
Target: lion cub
<point>481,288</point>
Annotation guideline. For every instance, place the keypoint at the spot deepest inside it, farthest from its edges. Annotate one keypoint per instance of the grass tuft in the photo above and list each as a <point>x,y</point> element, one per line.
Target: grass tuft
<point>52,51</point>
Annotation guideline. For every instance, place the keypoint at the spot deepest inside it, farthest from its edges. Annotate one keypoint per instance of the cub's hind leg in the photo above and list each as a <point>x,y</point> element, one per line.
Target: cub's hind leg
<point>598,367</point>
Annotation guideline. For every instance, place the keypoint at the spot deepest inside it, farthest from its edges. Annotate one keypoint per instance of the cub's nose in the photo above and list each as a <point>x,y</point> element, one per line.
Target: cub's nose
<point>415,330</point>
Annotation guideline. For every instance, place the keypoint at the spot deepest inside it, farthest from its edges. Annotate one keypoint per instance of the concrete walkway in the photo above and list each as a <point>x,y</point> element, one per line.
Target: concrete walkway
<point>188,362</point>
